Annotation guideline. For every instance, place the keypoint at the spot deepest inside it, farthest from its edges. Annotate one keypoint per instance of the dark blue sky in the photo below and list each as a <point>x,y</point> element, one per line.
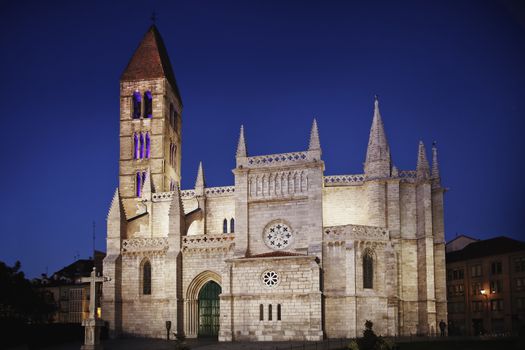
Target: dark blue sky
<point>450,71</point>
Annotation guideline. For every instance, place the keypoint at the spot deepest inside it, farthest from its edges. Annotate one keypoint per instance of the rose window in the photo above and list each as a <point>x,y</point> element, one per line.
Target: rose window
<point>278,236</point>
<point>270,278</point>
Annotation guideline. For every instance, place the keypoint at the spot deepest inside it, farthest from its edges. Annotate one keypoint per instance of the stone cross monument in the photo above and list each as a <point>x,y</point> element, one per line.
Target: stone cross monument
<point>92,324</point>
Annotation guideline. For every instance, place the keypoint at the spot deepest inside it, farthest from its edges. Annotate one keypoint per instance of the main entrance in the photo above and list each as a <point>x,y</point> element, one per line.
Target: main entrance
<point>209,310</point>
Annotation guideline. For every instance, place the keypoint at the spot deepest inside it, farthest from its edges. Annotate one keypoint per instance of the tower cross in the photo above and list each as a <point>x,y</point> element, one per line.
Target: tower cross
<point>153,17</point>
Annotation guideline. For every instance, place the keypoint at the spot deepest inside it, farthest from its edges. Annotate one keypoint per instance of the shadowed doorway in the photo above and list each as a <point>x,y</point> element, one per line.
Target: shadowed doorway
<point>209,310</point>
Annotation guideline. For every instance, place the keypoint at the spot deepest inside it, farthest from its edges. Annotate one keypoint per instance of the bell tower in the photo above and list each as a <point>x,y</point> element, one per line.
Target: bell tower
<point>150,121</point>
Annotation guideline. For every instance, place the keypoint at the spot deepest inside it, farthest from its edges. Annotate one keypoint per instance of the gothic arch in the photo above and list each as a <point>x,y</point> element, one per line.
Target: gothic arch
<point>191,301</point>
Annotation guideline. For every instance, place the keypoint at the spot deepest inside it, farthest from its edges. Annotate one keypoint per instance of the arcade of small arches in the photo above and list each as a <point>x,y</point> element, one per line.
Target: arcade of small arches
<point>225,225</point>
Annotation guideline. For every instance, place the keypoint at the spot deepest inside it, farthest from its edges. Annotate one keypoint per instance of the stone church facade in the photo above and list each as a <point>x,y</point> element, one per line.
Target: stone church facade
<point>286,253</point>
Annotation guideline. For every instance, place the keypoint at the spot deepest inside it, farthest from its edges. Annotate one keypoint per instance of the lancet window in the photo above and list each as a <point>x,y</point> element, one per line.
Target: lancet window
<point>368,269</point>
<point>136,108</point>
<point>148,104</point>
<point>146,278</point>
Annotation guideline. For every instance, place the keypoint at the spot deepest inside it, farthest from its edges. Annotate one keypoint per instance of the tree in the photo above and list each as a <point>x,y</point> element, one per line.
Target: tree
<point>19,299</point>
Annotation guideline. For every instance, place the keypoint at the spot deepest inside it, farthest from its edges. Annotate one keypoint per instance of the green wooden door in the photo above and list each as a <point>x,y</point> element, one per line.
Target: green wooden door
<point>209,310</point>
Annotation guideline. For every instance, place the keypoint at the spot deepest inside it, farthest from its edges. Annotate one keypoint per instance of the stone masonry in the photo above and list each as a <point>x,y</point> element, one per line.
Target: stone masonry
<point>297,254</point>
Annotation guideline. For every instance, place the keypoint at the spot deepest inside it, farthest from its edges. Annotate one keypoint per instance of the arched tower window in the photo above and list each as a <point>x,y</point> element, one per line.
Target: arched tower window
<point>270,312</point>
<point>148,104</point>
<point>135,146</point>
<point>171,153</point>
<point>138,183</point>
<point>136,105</point>
<point>225,226</point>
<point>146,278</point>
<point>141,148</point>
<point>143,178</point>
<point>368,269</point>
<point>232,225</point>
<point>148,144</point>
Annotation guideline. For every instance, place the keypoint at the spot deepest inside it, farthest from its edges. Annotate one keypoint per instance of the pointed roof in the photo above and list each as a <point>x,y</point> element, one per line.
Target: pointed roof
<point>241,145</point>
<point>378,148</point>
<point>200,182</point>
<point>151,61</point>
<point>314,137</point>
<point>176,206</point>
<point>423,169</point>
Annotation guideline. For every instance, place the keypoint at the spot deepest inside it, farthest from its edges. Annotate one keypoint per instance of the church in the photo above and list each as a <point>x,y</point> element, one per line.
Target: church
<point>285,253</point>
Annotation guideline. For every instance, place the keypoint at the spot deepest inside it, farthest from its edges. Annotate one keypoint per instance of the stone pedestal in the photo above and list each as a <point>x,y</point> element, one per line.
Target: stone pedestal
<point>92,334</point>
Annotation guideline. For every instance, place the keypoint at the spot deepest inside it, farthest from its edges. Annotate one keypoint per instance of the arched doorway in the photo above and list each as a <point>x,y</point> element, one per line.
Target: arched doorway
<point>209,310</point>
<point>202,298</point>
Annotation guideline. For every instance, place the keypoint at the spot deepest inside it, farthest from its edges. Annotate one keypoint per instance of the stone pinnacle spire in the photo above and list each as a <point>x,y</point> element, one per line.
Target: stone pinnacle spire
<point>423,169</point>
<point>314,137</point>
<point>200,183</point>
<point>241,146</point>
<point>435,166</point>
<point>378,161</point>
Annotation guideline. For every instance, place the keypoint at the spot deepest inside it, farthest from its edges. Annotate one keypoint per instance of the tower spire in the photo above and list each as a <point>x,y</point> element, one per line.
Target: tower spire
<point>378,161</point>
<point>200,182</point>
<point>314,137</point>
<point>151,61</point>
<point>241,145</point>
<point>422,169</point>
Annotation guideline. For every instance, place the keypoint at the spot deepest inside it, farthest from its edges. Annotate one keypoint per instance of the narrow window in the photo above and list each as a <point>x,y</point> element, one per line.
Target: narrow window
<point>141,146</point>
<point>143,178</point>
<point>225,226</point>
<point>270,312</point>
<point>261,312</point>
<point>232,225</point>
<point>368,270</point>
<point>278,312</point>
<point>146,278</point>
<point>136,105</point>
<point>148,104</point>
<point>135,146</point>
<point>148,143</point>
<point>139,184</point>
<point>174,154</point>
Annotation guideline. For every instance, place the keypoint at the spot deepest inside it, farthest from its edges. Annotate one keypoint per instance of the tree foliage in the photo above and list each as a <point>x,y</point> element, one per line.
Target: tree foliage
<point>19,299</point>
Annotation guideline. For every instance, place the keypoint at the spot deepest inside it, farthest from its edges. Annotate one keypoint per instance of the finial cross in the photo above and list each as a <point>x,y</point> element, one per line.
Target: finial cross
<point>153,17</point>
<point>93,280</point>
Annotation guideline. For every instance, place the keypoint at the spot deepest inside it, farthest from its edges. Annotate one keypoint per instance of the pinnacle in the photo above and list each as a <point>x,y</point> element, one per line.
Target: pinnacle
<point>423,169</point>
<point>200,181</point>
<point>314,137</point>
<point>377,163</point>
<point>241,145</point>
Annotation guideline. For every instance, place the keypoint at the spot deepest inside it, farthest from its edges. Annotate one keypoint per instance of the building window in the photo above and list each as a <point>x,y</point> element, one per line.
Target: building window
<point>172,118</point>
<point>270,312</point>
<point>261,312</point>
<point>456,308</point>
<point>496,286</point>
<point>455,290</point>
<point>141,150</point>
<point>232,225</point>
<point>368,270</point>
<point>148,145</point>
<point>138,183</point>
<point>477,306</point>
<point>278,312</point>
<point>146,278</point>
<point>475,271</point>
<point>520,303</point>
<point>136,105</point>
<point>519,264</point>
<point>476,288</point>
<point>496,267</point>
<point>520,283</point>
<point>225,226</point>
<point>135,146</point>
<point>148,104</point>
<point>496,304</point>
<point>270,279</point>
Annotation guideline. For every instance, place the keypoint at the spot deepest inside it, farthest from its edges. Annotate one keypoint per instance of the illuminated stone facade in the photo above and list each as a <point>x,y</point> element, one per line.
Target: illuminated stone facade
<point>297,255</point>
